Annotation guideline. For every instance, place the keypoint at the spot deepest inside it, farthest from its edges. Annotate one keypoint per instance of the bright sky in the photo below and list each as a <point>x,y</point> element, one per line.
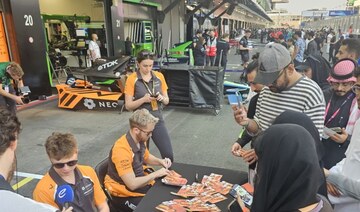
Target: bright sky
<point>297,6</point>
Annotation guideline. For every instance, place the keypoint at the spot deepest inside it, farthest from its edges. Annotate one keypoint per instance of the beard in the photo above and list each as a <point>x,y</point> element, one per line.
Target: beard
<point>279,88</point>
<point>276,88</point>
<point>140,138</point>
<point>12,169</point>
<point>340,93</point>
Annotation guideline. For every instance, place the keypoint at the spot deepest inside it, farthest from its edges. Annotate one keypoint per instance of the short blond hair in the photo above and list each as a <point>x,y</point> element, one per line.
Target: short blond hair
<point>60,145</point>
<point>15,69</point>
<point>141,118</point>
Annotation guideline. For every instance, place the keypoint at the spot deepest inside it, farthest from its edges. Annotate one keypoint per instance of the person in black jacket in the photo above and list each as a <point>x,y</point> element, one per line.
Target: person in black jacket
<point>337,46</point>
<point>331,49</point>
<point>128,46</point>
<point>288,172</point>
<point>237,148</point>
<point>244,49</point>
<point>199,52</point>
<point>222,49</point>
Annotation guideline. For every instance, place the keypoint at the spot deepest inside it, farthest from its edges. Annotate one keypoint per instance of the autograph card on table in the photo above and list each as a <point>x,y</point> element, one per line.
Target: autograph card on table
<point>174,179</point>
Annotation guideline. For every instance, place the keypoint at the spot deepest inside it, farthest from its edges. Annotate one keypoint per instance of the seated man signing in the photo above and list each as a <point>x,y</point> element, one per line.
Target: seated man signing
<point>126,180</point>
<point>63,154</point>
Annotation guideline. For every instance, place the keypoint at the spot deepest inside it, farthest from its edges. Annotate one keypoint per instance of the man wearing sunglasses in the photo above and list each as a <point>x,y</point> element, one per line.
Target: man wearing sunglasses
<point>11,201</point>
<point>340,102</point>
<point>126,179</point>
<point>62,150</point>
<point>285,89</point>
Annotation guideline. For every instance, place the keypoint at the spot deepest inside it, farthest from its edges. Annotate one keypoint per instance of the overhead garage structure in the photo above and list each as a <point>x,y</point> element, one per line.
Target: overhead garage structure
<point>30,27</point>
<point>225,15</point>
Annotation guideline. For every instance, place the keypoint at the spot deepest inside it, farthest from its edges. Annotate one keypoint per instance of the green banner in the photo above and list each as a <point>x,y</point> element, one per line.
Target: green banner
<point>351,2</point>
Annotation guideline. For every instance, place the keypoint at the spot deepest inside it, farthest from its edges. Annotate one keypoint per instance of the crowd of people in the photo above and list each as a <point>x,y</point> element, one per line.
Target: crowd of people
<point>209,50</point>
<point>289,85</point>
<point>315,41</point>
<point>302,123</point>
<point>300,43</point>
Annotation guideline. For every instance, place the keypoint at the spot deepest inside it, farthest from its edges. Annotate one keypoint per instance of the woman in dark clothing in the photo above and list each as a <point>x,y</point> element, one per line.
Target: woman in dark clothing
<point>317,68</point>
<point>288,173</point>
<point>331,50</point>
<point>320,70</point>
<point>293,117</point>
<point>199,52</point>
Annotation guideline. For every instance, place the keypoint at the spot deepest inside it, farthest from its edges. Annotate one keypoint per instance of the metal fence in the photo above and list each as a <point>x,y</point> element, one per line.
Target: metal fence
<point>342,23</point>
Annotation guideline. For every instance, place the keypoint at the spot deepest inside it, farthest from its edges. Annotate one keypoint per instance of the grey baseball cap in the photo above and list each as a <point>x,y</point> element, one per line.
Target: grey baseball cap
<point>272,60</point>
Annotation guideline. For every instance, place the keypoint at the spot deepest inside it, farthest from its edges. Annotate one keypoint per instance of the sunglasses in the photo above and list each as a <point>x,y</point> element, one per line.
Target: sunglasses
<point>61,165</point>
<point>356,89</point>
<point>144,54</point>
<point>148,133</point>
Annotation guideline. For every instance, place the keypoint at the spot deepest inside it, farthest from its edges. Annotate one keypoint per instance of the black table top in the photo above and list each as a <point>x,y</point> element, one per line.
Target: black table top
<point>161,192</point>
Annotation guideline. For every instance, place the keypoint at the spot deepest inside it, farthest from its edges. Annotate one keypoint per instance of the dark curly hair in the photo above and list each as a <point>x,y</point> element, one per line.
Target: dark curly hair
<point>10,127</point>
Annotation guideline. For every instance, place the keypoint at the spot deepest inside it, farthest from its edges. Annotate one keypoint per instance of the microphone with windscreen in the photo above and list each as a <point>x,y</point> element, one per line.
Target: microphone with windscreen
<point>64,195</point>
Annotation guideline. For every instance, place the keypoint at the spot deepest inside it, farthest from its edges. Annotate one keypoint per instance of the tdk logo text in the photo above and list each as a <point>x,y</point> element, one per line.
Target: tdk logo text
<point>107,65</point>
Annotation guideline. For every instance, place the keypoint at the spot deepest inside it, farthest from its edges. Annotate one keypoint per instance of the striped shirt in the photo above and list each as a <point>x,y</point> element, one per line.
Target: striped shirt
<point>305,96</point>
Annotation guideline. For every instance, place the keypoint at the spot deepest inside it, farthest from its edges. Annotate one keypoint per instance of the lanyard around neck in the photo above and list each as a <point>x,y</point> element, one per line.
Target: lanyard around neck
<point>338,110</point>
<point>147,87</point>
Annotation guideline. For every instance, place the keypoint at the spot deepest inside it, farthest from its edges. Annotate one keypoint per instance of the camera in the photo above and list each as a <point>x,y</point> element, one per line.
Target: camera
<point>25,93</point>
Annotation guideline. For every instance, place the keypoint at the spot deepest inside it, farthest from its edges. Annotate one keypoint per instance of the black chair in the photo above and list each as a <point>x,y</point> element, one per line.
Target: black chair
<point>101,171</point>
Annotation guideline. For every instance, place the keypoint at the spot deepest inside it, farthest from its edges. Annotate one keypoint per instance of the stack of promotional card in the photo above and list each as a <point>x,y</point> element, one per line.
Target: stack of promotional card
<point>174,179</point>
<point>203,195</point>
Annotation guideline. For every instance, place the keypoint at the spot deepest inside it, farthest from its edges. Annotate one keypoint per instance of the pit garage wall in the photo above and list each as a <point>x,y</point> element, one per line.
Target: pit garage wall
<point>71,7</point>
<point>173,25</point>
<point>30,39</point>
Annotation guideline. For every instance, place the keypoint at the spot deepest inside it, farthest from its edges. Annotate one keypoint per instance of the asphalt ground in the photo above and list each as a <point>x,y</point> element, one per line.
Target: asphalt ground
<point>198,136</point>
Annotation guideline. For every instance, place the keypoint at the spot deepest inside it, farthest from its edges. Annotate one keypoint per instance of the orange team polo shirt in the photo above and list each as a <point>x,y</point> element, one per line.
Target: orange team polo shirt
<point>122,156</point>
<point>135,87</point>
<point>46,188</point>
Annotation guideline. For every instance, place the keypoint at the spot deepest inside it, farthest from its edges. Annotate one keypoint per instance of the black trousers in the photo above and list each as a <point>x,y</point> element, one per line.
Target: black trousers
<point>210,60</point>
<point>125,204</point>
<point>161,138</point>
<point>128,204</point>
